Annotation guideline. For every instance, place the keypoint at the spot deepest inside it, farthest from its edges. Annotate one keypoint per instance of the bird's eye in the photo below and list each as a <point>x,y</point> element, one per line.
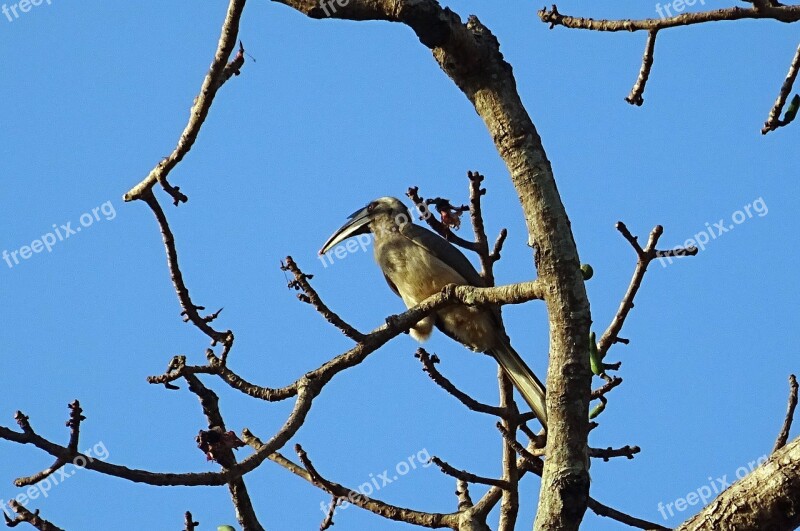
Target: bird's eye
<point>370,207</point>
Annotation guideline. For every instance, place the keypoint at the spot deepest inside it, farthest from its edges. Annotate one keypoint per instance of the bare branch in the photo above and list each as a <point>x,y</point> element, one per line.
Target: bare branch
<point>311,297</point>
<point>190,310</point>
<point>509,504</point>
<point>429,366</point>
<point>608,386</point>
<point>645,256</point>
<point>774,120</point>
<point>532,463</point>
<point>761,9</point>
<point>636,95</point>
<point>327,523</point>
<point>381,508</point>
<point>478,228</point>
<point>305,396</point>
<point>469,477</point>
<point>498,245</point>
<point>783,436</point>
<point>608,453</point>
<point>25,516</point>
<point>245,513</point>
<point>395,325</point>
<point>604,510</point>
<point>189,523</point>
<point>219,72</point>
<point>767,498</point>
<point>781,13</point>
<point>70,453</point>
<point>439,227</point>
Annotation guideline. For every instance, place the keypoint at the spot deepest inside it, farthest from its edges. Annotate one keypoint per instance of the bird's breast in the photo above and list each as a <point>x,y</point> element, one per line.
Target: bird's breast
<point>415,272</point>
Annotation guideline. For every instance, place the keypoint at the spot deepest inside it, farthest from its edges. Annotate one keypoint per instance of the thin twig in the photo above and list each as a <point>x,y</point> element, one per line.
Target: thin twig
<point>308,472</point>
<point>780,13</point>
<point>608,453</point>
<point>310,296</point>
<point>327,523</point>
<point>478,227</point>
<point>442,229</point>
<point>32,518</point>
<point>636,95</point>
<point>190,310</point>
<point>604,510</point>
<point>605,388</point>
<point>219,72</point>
<point>509,504</point>
<point>531,463</point>
<point>498,245</point>
<point>783,436</point>
<point>469,477</point>
<point>305,395</point>
<point>189,522</point>
<point>70,453</point>
<point>223,454</point>
<point>774,120</point>
<point>644,257</point>
<point>429,367</point>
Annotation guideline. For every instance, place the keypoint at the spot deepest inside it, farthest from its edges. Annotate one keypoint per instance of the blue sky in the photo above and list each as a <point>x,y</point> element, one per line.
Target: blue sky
<point>331,115</point>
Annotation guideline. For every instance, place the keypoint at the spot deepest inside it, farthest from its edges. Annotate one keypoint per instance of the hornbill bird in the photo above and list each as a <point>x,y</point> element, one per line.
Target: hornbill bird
<point>418,263</point>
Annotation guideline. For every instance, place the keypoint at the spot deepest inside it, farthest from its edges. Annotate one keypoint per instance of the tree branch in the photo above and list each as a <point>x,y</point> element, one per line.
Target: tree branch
<point>469,477</point>
<point>780,13</point>
<point>25,516</point>
<point>381,508</point>
<point>190,310</point>
<point>217,75</point>
<point>311,297</point>
<point>644,257</point>
<point>470,55</point>
<point>774,119</point>
<point>509,504</point>
<point>188,522</point>
<point>245,513</point>
<point>767,498</point>
<point>636,95</point>
<point>429,366</point>
<point>71,451</point>
<point>305,395</point>
<point>783,436</point>
<point>531,463</point>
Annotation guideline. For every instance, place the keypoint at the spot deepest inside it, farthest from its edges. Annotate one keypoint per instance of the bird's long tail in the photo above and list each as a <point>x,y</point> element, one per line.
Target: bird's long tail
<point>529,386</point>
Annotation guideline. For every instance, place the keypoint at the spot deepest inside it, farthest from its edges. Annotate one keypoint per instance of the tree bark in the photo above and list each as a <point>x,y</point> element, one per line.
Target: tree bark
<point>469,54</point>
<point>767,499</point>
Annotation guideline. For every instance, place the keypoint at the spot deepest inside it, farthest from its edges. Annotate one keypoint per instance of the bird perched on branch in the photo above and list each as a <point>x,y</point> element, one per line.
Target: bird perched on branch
<point>418,263</point>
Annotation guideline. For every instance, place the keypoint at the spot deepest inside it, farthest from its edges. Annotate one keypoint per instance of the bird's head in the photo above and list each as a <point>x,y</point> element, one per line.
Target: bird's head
<point>377,213</point>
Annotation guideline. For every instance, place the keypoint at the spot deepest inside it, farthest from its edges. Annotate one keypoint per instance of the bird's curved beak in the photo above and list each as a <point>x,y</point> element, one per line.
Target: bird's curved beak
<point>358,223</point>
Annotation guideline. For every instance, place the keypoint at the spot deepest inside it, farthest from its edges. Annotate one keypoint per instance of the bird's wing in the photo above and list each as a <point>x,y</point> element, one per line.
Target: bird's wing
<point>443,250</point>
<point>391,285</point>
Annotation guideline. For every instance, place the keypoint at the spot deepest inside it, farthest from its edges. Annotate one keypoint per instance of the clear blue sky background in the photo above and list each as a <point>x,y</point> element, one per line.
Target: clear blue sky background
<point>332,115</point>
